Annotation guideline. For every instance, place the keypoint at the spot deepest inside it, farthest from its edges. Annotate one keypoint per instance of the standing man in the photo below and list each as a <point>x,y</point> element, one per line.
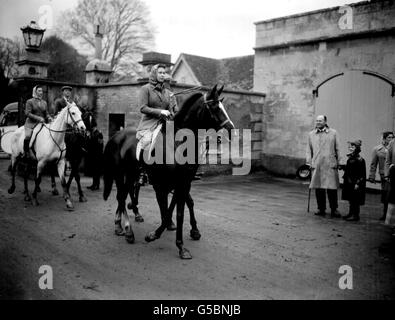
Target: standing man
<point>379,154</point>
<point>323,156</point>
<point>95,151</point>
<point>60,103</point>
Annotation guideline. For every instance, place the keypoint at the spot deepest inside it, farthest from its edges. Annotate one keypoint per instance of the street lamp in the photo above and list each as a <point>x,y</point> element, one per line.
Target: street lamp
<point>33,36</point>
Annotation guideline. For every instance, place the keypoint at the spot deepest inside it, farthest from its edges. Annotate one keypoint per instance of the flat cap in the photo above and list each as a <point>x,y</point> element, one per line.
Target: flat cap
<point>67,88</point>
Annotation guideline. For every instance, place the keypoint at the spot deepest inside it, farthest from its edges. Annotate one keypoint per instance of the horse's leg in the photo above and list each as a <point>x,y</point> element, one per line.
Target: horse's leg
<point>118,213</point>
<point>76,174</point>
<point>78,180</point>
<point>37,181</point>
<point>14,162</point>
<point>172,206</point>
<point>54,191</point>
<point>181,198</point>
<point>66,195</point>
<point>122,193</point>
<point>134,192</point>
<point>161,197</point>
<point>195,234</point>
<point>25,182</point>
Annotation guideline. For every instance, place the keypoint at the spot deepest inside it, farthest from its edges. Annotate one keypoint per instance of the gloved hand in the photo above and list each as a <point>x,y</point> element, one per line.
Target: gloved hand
<point>41,120</point>
<point>165,114</point>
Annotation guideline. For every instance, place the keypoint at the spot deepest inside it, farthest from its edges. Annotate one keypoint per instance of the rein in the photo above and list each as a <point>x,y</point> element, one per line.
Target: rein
<point>188,90</point>
<point>60,131</point>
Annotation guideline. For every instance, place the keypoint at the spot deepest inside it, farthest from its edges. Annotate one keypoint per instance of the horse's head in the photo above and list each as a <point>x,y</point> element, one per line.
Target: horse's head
<point>218,114</point>
<point>74,117</point>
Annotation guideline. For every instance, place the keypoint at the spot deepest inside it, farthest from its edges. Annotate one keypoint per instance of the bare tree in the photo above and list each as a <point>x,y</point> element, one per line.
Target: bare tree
<point>10,51</point>
<point>127,31</point>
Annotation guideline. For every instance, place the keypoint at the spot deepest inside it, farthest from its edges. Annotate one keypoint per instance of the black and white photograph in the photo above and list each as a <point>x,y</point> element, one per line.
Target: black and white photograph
<point>197,154</point>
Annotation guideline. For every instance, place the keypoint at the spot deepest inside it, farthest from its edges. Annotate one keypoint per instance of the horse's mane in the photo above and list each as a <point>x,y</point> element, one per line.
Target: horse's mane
<point>57,115</point>
<point>187,104</point>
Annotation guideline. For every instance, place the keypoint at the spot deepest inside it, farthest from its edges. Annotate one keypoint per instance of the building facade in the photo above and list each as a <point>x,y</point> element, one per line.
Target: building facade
<point>339,62</point>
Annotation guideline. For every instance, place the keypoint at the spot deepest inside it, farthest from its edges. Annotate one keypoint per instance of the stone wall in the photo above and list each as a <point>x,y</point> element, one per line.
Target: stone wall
<point>295,54</point>
<point>245,108</point>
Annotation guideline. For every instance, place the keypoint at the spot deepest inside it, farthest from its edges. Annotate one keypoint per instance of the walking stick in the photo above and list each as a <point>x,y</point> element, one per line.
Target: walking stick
<point>308,203</point>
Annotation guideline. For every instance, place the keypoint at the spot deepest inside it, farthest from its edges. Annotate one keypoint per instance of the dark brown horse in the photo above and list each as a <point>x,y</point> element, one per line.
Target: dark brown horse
<point>197,111</point>
<point>76,149</point>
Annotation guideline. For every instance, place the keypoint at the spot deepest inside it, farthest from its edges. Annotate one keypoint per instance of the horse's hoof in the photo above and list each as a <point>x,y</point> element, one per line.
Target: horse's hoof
<point>151,236</point>
<point>195,234</point>
<point>35,202</point>
<point>55,192</point>
<point>69,205</point>
<point>28,198</point>
<point>185,254</point>
<point>139,218</point>
<point>11,189</point>
<point>171,226</point>
<point>129,236</point>
<point>83,199</point>
<point>118,230</point>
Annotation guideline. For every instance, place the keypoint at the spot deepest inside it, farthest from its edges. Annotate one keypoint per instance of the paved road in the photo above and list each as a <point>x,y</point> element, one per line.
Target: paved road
<point>257,242</point>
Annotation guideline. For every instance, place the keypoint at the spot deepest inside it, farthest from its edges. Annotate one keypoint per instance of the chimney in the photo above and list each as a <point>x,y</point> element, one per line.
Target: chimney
<point>98,43</point>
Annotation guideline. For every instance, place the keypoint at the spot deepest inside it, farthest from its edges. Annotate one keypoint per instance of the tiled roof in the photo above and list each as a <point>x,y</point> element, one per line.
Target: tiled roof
<point>235,73</point>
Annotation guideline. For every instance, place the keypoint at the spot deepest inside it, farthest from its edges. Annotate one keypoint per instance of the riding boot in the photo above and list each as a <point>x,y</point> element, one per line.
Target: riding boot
<point>26,151</point>
<point>143,177</point>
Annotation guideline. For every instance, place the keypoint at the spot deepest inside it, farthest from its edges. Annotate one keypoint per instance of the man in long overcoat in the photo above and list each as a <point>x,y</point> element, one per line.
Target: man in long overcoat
<point>323,156</point>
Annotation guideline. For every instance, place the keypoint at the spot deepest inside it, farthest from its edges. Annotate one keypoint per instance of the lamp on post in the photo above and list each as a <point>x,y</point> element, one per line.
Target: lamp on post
<point>33,36</point>
<point>33,63</point>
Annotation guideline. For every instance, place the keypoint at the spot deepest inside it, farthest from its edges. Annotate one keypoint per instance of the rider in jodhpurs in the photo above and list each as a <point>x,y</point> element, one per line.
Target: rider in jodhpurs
<point>36,112</point>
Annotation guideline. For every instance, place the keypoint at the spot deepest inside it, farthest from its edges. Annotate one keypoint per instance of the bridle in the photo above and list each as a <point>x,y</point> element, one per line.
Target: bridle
<point>207,105</point>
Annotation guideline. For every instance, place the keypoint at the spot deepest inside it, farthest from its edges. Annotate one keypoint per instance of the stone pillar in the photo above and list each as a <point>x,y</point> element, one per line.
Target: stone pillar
<point>98,70</point>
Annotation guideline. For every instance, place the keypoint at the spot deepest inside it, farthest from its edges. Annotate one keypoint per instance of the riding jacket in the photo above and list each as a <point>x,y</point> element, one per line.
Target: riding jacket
<point>152,100</point>
<point>35,110</point>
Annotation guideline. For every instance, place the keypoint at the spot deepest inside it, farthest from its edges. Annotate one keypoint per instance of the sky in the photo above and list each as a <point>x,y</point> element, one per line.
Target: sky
<point>210,28</point>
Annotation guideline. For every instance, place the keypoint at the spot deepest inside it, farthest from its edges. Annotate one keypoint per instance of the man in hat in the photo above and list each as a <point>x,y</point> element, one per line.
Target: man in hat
<point>323,156</point>
<point>60,103</point>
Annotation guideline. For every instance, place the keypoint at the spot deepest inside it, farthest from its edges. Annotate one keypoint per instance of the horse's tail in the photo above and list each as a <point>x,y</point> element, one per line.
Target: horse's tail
<point>109,165</point>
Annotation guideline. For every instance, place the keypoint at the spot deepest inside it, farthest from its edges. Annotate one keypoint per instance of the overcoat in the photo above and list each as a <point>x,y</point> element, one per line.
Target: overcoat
<point>324,157</point>
<point>354,174</point>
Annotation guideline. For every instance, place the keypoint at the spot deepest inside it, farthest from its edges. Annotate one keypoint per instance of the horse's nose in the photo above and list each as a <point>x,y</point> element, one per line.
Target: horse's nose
<point>229,126</point>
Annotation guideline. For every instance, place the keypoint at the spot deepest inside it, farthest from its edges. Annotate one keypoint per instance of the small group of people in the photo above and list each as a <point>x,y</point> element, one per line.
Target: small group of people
<point>37,111</point>
<point>323,157</point>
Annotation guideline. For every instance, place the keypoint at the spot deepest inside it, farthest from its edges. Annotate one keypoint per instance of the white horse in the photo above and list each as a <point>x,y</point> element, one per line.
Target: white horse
<point>46,145</point>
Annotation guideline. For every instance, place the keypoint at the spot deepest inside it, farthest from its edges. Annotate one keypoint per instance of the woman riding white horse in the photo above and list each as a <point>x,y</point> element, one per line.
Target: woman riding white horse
<point>47,145</point>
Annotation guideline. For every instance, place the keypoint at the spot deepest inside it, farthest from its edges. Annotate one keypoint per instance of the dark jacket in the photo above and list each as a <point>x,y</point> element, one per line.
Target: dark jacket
<point>391,193</point>
<point>354,174</point>
<point>60,103</point>
<point>35,110</point>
